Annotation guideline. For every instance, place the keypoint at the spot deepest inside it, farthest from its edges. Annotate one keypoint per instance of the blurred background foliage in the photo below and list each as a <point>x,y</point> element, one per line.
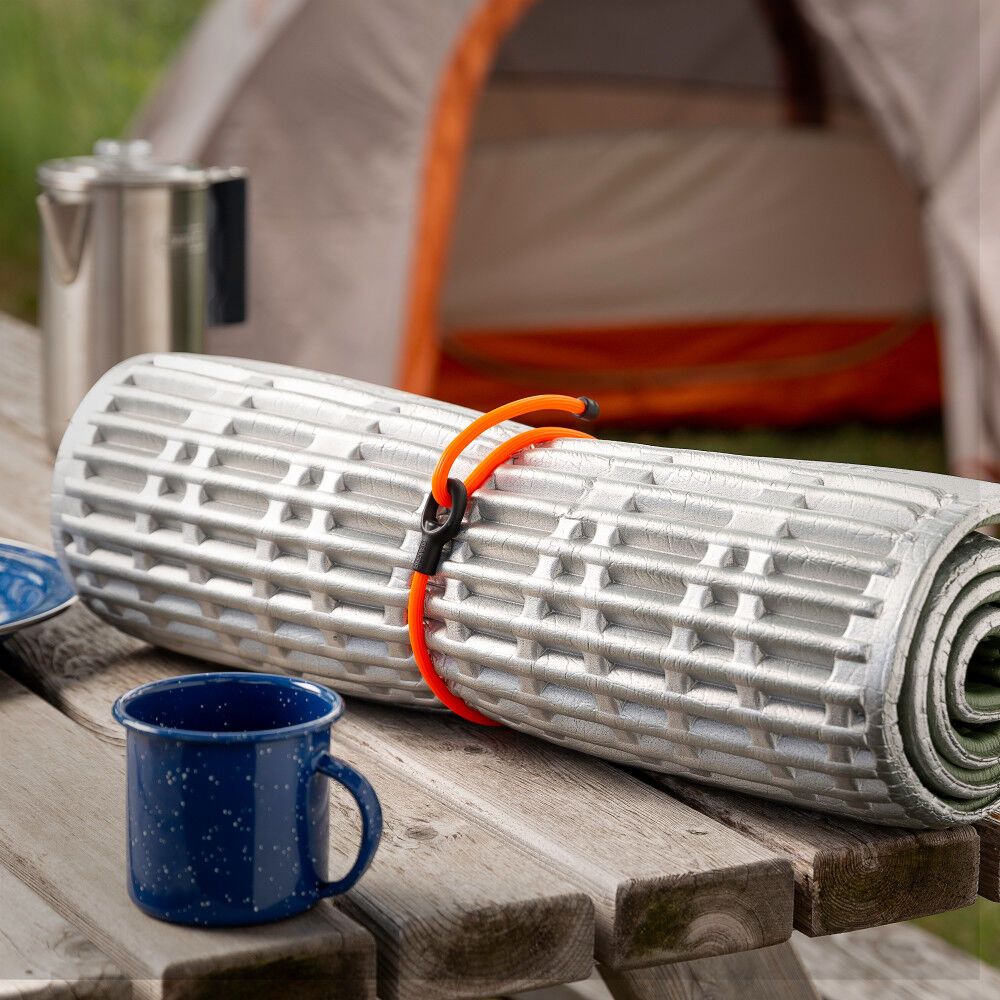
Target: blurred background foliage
<point>72,71</point>
<point>916,445</point>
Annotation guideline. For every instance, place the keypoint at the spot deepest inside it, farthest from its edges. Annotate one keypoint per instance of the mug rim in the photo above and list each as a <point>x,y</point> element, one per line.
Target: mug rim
<point>335,708</point>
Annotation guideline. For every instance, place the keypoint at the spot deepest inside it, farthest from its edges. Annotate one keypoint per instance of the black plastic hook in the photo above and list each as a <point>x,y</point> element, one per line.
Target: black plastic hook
<point>435,535</point>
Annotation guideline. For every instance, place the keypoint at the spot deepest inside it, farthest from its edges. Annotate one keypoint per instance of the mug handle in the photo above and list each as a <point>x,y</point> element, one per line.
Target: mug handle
<point>371,820</point>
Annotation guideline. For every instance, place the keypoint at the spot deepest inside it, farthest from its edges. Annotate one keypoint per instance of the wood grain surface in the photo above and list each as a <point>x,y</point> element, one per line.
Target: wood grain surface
<point>42,957</point>
<point>27,462</point>
<point>62,822</point>
<point>767,974</point>
<point>849,875</point>
<point>456,909</point>
<point>27,472</point>
<point>21,375</point>
<point>668,884</point>
<point>898,962</point>
<point>465,915</point>
<point>989,858</point>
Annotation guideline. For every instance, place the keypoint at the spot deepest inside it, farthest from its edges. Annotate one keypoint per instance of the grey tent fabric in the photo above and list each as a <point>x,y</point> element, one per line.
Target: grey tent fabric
<point>930,72</point>
<point>827,635</point>
<point>330,103</point>
<point>539,240</point>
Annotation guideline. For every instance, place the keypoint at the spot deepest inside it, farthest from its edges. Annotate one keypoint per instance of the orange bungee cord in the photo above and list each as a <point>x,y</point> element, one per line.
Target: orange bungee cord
<point>453,495</point>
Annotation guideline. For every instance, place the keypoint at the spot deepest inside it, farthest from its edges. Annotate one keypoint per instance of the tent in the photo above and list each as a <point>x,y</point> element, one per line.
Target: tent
<point>722,211</point>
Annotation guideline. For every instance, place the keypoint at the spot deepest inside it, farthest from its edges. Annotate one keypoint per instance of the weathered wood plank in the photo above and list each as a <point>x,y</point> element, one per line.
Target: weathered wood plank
<point>667,883</point>
<point>80,665</point>
<point>27,463</point>
<point>989,858</point>
<point>589,989</point>
<point>42,957</point>
<point>674,886</point>
<point>768,974</point>
<point>500,896</point>
<point>62,817</point>
<point>897,962</point>
<point>21,374</point>
<point>456,910</point>
<point>657,911</point>
<point>27,470</point>
<point>641,918</point>
<point>849,875</point>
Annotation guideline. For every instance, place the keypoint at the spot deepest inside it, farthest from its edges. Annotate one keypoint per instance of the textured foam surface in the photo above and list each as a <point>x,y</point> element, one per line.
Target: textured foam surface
<point>822,634</point>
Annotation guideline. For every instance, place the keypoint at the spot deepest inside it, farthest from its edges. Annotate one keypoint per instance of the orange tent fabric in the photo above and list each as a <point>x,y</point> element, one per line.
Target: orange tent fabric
<point>782,372</point>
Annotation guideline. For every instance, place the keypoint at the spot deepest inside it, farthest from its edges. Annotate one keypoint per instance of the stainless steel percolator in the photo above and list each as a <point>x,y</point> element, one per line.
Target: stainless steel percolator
<point>138,255</point>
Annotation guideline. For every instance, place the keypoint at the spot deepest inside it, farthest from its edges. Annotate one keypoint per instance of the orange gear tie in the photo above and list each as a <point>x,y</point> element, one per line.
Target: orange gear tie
<point>453,495</point>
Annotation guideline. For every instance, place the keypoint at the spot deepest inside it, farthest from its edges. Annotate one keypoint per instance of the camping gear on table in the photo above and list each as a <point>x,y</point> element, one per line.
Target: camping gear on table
<point>663,205</point>
<point>225,826</point>
<point>820,634</point>
<point>138,254</point>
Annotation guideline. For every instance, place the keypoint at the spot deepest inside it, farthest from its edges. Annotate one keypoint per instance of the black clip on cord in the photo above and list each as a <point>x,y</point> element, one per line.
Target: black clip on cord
<point>436,535</point>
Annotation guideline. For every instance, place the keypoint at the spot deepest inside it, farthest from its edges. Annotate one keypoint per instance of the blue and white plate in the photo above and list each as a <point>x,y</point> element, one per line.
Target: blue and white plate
<point>32,586</point>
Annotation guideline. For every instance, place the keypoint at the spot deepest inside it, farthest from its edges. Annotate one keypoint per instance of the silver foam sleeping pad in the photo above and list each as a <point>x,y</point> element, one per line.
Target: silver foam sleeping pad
<point>827,635</point>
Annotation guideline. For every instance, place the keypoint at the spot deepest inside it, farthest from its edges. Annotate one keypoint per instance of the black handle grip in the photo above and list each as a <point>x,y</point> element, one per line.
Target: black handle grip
<point>227,251</point>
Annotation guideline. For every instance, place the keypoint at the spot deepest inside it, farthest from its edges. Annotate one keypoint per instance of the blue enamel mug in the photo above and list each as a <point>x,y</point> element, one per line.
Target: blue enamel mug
<point>228,809</point>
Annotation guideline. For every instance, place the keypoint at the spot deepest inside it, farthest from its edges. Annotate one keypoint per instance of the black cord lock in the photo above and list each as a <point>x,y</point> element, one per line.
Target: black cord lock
<point>435,535</point>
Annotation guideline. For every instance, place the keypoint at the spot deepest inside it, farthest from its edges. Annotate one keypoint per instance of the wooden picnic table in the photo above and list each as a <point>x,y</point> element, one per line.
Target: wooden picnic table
<point>506,865</point>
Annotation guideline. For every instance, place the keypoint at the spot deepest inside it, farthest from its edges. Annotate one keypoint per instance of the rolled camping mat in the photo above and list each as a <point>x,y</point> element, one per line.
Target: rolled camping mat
<point>827,635</point>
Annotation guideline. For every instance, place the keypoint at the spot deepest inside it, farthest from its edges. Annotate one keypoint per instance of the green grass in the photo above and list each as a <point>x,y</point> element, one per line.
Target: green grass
<point>72,71</point>
<point>912,446</point>
<point>975,929</point>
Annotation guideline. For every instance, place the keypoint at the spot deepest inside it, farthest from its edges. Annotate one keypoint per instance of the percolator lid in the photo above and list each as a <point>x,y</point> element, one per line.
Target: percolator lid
<point>127,162</point>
